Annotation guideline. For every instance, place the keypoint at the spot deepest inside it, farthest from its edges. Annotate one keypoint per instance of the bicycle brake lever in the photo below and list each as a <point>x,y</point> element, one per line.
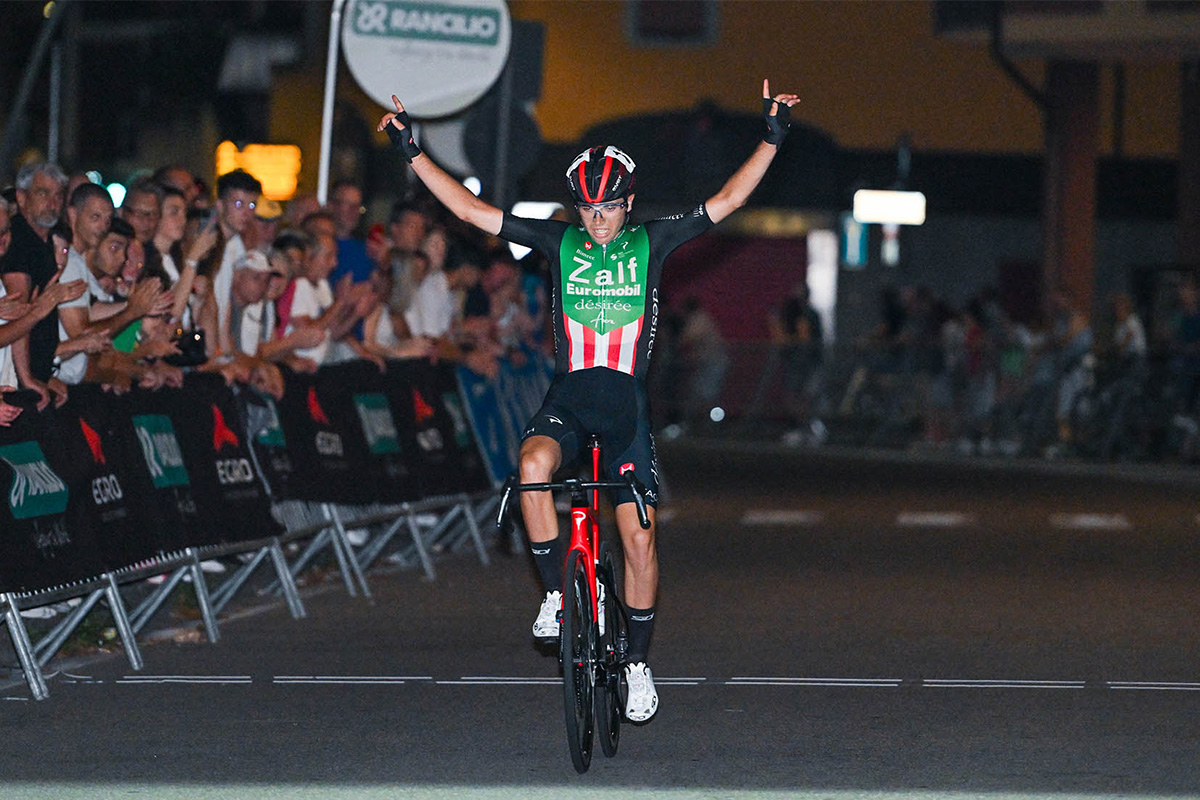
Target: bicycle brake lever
<point>639,499</point>
<point>506,493</point>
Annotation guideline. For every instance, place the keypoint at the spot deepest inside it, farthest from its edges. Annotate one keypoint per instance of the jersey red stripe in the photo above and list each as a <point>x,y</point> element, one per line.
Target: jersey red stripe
<point>589,347</point>
<point>637,336</point>
<point>614,348</point>
<point>566,326</point>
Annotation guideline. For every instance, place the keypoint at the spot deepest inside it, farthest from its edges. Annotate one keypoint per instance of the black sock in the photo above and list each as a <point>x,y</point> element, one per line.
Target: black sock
<point>641,626</point>
<point>549,559</point>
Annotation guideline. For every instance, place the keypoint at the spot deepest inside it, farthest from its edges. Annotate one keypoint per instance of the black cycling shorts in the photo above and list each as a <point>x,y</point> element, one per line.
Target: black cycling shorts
<point>612,405</point>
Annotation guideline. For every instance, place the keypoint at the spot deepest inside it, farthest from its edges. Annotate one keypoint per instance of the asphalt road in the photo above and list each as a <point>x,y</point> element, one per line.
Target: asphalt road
<point>829,627</point>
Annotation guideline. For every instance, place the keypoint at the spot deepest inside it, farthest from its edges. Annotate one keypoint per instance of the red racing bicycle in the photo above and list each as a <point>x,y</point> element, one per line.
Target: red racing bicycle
<point>594,628</point>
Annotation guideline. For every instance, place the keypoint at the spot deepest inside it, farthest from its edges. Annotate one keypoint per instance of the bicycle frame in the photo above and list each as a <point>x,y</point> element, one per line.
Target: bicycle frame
<point>585,527</point>
<point>585,511</point>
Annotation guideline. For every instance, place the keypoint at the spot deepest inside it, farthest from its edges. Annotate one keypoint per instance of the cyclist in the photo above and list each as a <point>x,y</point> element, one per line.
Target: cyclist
<point>605,274</point>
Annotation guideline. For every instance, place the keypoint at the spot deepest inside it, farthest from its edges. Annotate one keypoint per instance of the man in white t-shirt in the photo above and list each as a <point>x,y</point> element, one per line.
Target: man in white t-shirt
<point>89,212</point>
<point>313,297</point>
<point>237,198</point>
<point>81,316</point>
<point>250,277</point>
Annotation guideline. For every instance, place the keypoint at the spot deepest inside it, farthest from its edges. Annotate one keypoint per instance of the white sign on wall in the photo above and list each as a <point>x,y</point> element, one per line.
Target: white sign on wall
<point>437,56</point>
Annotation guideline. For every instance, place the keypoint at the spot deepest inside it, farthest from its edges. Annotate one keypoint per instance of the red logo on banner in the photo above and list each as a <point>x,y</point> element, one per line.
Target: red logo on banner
<point>314,408</point>
<point>222,435</point>
<point>93,440</point>
<point>421,409</point>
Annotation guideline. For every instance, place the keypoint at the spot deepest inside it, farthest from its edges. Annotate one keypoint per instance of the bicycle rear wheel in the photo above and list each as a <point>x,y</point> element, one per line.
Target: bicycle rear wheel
<point>608,695</point>
<point>578,661</point>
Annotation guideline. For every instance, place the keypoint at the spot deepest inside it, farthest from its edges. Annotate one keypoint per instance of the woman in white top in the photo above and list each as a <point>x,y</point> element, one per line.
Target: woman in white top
<point>379,324</point>
<point>170,241</point>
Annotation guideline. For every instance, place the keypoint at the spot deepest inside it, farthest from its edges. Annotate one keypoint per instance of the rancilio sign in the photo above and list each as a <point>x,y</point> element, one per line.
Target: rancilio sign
<point>438,57</point>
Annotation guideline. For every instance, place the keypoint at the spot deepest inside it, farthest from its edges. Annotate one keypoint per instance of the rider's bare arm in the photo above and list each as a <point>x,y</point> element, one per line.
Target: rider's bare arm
<point>452,194</point>
<point>737,190</point>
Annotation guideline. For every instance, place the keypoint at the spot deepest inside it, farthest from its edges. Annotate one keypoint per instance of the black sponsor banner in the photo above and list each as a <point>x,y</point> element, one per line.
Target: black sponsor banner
<point>105,462</point>
<point>39,549</point>
<point>230,495</point>
<point>425,402</point>
<point>170,497</point>
<point>466,458</point>
<point>353,396</point>
<point>320,445</point>
<point>264,430</point>
<point>106,482</point>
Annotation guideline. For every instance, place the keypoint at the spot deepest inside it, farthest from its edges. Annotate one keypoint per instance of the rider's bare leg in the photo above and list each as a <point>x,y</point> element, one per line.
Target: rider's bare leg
<point>641,577</point>
<point>641,556</point>
<point>540,458</point>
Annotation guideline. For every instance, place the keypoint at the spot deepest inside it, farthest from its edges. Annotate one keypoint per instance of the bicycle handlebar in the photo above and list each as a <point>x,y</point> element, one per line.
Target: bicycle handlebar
<point>629,481</point>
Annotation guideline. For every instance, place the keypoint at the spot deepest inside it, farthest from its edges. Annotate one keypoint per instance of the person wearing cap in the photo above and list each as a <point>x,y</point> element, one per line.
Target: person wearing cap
<point>264,227</point>
<point>251,273</point>
<point>605,274</point>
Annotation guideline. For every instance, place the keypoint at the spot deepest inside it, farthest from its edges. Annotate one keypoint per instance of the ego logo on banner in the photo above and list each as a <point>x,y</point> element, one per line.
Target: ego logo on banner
<point>328,443</point>
<point>229,470</point>
<point>105,488</point>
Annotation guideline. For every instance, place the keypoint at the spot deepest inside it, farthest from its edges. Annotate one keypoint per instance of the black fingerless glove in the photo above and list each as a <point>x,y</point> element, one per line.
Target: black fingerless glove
<point>777,126</point>
<point>402,140</point>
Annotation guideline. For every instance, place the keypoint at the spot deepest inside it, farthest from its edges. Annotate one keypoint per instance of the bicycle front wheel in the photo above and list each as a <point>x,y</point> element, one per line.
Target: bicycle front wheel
<point>578,661</point>
<point>611,647</point>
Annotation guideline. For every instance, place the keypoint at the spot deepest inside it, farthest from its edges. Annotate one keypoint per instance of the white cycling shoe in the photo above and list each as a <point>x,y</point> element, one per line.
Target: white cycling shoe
<point>546,624</point>
<point>642,701</point>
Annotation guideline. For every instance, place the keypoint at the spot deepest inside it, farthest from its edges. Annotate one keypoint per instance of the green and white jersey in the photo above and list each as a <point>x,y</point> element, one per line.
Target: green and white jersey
<point>605,301</point>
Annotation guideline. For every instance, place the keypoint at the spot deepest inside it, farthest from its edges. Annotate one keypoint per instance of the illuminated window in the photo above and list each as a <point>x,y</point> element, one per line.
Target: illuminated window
<point>277,166</point>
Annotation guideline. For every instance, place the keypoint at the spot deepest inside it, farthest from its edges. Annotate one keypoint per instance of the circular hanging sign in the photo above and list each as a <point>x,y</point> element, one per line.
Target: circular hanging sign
<point>437,56</point>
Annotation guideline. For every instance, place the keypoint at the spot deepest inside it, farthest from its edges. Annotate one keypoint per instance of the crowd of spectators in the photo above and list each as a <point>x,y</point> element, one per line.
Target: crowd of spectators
<point>236,283</point>
<point>977,381</point>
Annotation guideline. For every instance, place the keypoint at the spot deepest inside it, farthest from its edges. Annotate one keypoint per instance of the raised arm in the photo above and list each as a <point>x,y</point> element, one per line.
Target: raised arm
<point>452,194</point>
<point>737,190</point>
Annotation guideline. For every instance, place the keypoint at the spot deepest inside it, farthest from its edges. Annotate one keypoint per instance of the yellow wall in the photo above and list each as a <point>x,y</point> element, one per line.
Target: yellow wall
<point>866,72</point>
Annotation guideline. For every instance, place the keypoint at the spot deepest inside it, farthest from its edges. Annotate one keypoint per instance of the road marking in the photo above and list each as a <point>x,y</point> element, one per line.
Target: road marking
<point>661,681</point>
<point>782,516</point>
<point>71,678</point>
<point>350,679</point>
<point>781,681</point>
<point>500,680</point>
<point>946,683</point>
<point>216,679</point>
<point>934,519</point>
<point>742,681</point>
<point>1155,686</point>
<point>1091,522</point>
